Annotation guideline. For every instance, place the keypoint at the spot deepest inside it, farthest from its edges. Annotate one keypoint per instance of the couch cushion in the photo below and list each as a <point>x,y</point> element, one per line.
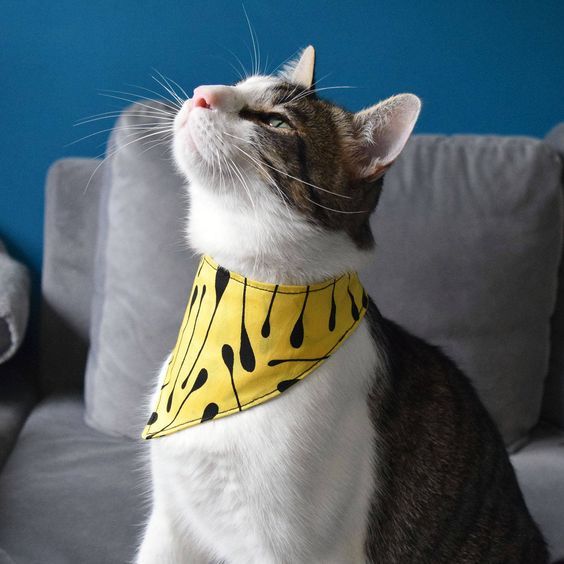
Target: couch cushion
<point>143,275</point>
<point>69,494</point>
<point>540,471</point>
<point>468,234</point>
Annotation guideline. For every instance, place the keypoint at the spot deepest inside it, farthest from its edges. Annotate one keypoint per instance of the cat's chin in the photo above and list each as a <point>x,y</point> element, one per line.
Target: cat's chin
<point>267,243</point>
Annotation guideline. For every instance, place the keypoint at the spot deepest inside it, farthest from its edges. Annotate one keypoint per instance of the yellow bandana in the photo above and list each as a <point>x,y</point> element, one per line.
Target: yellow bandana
<point>242,343</point>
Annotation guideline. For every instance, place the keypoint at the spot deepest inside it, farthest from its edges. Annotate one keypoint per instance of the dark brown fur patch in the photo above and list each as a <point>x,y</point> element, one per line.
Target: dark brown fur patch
<point>447,492</point>
<point>313,165</point>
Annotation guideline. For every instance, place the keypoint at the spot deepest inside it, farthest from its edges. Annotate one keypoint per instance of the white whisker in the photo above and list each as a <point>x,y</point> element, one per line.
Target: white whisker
<point>168,87</point>
<point>151,108</point>
<point>117,113</point>
<point>255,63</point>
<point>138,127</point>
<point>113,153</point>
<point>165,102</point>
<point>293,177</point>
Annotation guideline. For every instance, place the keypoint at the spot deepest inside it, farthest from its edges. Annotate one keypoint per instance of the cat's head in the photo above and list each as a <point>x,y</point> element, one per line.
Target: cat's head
<point>270,163</point>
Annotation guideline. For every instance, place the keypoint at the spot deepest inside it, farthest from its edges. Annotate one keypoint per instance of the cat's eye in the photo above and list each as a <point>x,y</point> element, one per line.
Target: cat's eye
<point>274,120</point>
<point>278,123</point>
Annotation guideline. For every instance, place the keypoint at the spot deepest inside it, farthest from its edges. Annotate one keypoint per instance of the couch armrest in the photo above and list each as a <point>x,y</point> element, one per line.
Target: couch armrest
<point>18,395</point>
<point>14,304</point>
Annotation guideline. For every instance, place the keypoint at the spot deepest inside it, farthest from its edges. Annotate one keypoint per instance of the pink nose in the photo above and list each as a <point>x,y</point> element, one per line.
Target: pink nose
<point>215,97</point>
<point>200,100</point>
<point>205,97</point>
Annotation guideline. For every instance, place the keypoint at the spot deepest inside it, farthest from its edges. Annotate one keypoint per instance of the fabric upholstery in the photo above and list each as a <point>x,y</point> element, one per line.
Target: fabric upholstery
<point>144,272</point>
<point>14,304</point>
<point>553,404</point>
<point>469,235</point>
<point>74,189</point>
<point>468,240</point>
<point>69,494</point>
<point>540,471</point>
<point>17,398</point>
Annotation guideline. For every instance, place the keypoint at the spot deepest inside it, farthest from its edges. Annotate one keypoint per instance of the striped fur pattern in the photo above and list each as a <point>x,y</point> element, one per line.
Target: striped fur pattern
<point>384,454</point>
<point>449,492</point>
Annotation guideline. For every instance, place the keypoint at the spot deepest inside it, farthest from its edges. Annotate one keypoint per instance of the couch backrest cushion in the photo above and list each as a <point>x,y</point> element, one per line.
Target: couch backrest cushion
<point>143,275</point>
<point>468,237</point>
<point>74,190</point>
<point>553,403</point>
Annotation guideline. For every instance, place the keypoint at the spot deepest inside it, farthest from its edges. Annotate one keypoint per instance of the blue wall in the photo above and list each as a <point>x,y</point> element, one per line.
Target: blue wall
<point>483,67</point>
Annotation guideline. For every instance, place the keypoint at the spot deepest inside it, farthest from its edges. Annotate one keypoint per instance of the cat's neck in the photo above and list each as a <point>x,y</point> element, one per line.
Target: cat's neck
<point>266,247</point>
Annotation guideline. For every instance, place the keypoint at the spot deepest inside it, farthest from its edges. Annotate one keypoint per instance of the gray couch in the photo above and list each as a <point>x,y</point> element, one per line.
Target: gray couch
<point>469,241</point>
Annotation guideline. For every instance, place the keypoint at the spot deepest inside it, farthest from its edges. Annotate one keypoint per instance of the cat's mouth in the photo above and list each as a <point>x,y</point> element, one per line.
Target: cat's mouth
<point>194,132</point>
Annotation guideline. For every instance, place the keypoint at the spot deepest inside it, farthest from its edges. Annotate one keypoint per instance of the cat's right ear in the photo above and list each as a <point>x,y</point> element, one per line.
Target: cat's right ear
<point>381,133</point>
<point>301,70</point>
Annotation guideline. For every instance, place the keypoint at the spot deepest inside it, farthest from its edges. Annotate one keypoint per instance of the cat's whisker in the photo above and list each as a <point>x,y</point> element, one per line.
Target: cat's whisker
<point>284,62</point>
<point>117,113</point>
<point>309,92</point>
<point>154,144</point>
<point>174,83</point>
<point>256,61</point>
<point>236,71</point>
<point>346,212</point>
<point>244,183</point>
<point>138,127</point>
<point>168,87</point>
<point>242,75</point>
<point>165,86</point>
<point>171,104</point>
<point>151,108</point>
<point>291,176</point>
<point>158,94</point>
<point>150,145</point>
<point>259,167</point>
<point>158,118</point>
<point>113,153</point>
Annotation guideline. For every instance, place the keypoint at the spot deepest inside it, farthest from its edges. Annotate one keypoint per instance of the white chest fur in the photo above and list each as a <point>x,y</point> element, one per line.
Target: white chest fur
<point>287,481</point>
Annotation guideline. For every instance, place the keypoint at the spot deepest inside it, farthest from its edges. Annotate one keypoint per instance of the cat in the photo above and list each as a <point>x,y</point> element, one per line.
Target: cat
<point>384,454</point>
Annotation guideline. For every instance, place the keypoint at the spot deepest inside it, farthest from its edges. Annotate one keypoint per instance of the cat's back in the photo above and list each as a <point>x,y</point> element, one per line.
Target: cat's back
<point>449,492</point>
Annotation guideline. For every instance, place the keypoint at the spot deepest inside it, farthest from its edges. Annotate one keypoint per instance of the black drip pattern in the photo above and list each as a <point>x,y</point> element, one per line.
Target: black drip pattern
<point>354,309</point>
<point>201,379</point>
<point>277,361</point>
<point>285,384</point>
<point>169,402</point>
<point>297,336</point>
<point>222,277</point>
<point>333,313</point>
<point>265,331</point>
<point>221,280</point>
<point>246,354</point>
<point>228,359</point>
<point>210,411</point>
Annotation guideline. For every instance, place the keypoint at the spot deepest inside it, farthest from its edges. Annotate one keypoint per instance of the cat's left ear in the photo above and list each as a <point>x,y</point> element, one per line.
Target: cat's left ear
<point>301,71</point>
<point>381,133</point>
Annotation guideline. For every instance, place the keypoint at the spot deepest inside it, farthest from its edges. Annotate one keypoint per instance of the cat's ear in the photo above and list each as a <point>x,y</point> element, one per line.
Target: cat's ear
<point>381,133</point>
<point>301,70</point>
